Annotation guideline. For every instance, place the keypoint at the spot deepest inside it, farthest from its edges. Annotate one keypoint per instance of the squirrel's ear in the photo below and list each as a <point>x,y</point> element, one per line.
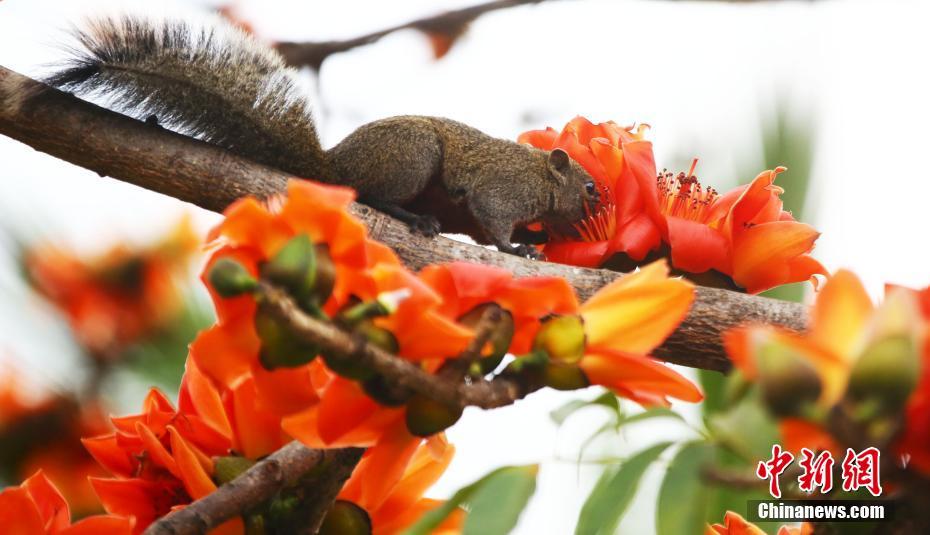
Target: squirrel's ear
<point>559,165</point>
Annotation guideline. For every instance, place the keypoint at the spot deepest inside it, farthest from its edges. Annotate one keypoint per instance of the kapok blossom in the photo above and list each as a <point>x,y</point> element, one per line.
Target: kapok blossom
<point>743,233</point>
<point>37,508</point>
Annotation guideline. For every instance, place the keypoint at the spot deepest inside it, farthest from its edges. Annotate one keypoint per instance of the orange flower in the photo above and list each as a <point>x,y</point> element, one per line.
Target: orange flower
<point>852,351</point>
<point>37,508</point>
<point>163,458</point>
<point>743,234</point>
<point>734,524</point>
<point>253,233</point>
<point>624,322</point>
<point>403,503</point>
<point>45,434</point>
<point>115,299</point>
<point>621,162</point>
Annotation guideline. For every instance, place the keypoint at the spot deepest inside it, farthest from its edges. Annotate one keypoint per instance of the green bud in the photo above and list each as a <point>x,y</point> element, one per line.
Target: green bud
<point>561,376</point>
<point>500,337</point>
<point>228,468</point>
<point>562,337</point>
<point>280,347</point>
<point>426,417</point>
<point>381,390</point>
<point>886,372</point>
<point>787,380</point>
<point>293,266</point>
<point>345,518</point>
<point>282,508</point>
<point>229,278</point>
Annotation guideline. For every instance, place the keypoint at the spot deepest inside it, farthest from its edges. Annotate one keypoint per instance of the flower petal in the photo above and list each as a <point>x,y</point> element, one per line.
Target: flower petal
<point>840,315</point>
<point>19,514</point>
<point>638,377</point>
<point>762,254</point>
<point>637,312</point>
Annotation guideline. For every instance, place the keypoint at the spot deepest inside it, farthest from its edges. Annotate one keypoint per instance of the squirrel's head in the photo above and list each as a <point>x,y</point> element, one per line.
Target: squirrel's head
<point>575,193</point>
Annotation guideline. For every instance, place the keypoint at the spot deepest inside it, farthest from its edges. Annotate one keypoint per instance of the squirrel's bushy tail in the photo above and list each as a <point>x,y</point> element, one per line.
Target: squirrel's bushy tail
<point>217,84</point>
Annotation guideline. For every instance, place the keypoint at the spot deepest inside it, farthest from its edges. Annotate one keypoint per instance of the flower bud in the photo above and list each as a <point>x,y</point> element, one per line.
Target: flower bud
<point>562,338</point>
<point>305,270</point>
<point>345,518</point>
<point>426,416</point>
<point>225,469</point>
<point>293,266</point>
<point>281,347</point>
<point>500,338</point>
<point>787,380</point>
<point>562,376</point>
<point>886,372</point>
<point>229,278</point>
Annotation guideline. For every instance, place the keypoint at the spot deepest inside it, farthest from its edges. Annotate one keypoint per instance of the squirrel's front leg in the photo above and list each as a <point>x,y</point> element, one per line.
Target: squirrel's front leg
<point>426,225</point>
<point>498,229</point>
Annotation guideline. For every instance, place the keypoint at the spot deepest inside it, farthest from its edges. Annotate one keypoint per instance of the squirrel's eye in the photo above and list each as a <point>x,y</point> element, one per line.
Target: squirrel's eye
<point>589,187</point>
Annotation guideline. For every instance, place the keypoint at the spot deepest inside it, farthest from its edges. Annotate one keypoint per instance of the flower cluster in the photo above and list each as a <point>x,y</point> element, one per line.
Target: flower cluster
<point>44,433</point>
<point>308,245</point>
<point>118,298</point>
<point>743,234</point>
<point>37,508</point>
<point>859,377</point>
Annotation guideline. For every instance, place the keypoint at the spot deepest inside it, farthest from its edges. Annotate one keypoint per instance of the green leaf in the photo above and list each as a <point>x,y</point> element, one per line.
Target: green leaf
<point>747,429</point>
<point>496,504</point>
<point>608,399</point>
<point>654,412</point>
<point>518,483</point>
<point>613,493</point>
<point>683,499</point>
<point>713,384</point>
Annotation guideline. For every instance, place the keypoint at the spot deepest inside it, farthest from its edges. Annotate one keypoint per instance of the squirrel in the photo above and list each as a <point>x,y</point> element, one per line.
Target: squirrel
<point>222,86</point>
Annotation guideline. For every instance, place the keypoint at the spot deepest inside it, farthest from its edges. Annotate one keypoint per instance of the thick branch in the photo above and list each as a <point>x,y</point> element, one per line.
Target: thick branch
<point>281,469</point>
<point>450,24</point>
<point>192,171</point>
<point>402,373</point>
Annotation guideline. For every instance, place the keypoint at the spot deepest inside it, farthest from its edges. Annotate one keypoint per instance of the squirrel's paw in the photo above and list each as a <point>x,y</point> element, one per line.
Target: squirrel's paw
<point>425,225</point>
<point>528,251</point>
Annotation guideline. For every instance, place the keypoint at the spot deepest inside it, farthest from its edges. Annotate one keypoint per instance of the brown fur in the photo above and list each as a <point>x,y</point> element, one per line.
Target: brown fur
<point>224,87</point>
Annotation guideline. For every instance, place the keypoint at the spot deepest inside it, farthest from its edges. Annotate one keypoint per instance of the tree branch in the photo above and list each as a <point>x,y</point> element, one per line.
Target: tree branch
<point>175,165</point>
<point>449,24</point>
<point>280,470</point>
<point>402,373</point>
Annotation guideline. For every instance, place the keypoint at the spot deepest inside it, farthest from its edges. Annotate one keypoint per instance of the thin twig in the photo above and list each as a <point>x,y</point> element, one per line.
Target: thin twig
<point>154,158</point>
<point>401,373</point>
<point>280,470</point>
<point>450,24</point>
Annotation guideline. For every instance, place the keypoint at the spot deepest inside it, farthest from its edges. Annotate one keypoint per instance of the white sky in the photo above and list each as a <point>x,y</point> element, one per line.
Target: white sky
<point>701,73</point>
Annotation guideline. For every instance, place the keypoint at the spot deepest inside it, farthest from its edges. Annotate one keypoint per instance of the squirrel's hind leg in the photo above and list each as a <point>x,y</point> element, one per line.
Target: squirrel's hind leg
<point>426,225</point>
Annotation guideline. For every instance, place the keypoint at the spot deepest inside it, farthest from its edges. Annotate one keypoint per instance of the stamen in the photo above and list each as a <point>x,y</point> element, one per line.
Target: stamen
<point>689,200</point>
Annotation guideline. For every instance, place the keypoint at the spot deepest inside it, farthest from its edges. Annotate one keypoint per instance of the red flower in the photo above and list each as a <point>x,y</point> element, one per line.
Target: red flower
<point>37,508</point>
<point>743,234</point>
<point>403,502</point>
<point>118,298</point>
<point>163,457</point>
<point>734,524</point>
<point>45,434</point>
